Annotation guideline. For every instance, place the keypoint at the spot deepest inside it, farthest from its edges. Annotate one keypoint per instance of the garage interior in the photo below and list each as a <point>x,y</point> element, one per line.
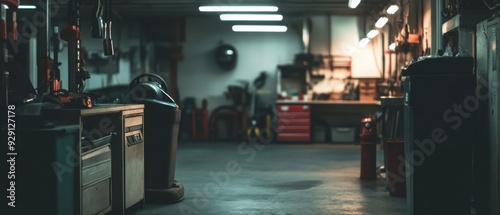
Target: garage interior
<point>250,107</point>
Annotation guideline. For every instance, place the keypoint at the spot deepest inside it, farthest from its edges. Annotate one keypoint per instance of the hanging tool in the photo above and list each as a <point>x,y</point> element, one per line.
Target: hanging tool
<point>97,21</point>
<point>13,6</point>
<point>108,41</point>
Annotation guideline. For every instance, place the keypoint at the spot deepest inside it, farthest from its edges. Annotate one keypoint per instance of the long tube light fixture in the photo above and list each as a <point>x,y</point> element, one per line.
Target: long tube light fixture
<point>354,3</point>
<point>381,22</point>
<point>392,9</point>
<point>363,42</point>
<point>22,7</point>
<point>238,8</point>
<point>259,28</point>
<point>372,34</point>
<point>251,17</point>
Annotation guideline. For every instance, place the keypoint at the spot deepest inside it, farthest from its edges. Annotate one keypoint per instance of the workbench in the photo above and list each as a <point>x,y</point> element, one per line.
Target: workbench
<point>123,187</point>
<point>296,118</point>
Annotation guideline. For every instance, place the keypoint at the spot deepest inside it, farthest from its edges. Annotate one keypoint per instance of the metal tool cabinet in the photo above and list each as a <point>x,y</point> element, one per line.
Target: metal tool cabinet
<point>125,186</point>
<point>294,123</point>
<point>45,180</point>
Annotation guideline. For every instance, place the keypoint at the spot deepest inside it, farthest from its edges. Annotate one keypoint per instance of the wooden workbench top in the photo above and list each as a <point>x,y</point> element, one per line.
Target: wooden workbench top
<point>328,102</point>
<point>100,109</point>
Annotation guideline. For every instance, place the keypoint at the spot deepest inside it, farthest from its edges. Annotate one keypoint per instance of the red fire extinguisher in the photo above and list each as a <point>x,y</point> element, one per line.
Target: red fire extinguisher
<point>368,142</point>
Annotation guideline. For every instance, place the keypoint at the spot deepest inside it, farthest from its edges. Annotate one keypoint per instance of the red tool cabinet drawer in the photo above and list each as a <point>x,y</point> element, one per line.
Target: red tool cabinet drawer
<point>294,137</point>
<point>293,129</point>
<point>293,108</point>
<point>293,122</point>
<point>293,115</point>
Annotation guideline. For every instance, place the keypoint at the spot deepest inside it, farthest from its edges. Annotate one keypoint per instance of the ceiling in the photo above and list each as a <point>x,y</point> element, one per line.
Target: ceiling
<point>190,7</point>
<point>157,8</point>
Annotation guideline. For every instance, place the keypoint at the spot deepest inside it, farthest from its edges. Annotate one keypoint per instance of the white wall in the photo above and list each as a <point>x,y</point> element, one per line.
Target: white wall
<point>200,77</point>
<point>319,34</point>
<point>345,35</point>
<point>366,61</point>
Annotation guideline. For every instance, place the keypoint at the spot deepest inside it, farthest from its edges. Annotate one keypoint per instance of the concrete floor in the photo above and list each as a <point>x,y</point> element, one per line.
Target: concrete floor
<point>276,179</point>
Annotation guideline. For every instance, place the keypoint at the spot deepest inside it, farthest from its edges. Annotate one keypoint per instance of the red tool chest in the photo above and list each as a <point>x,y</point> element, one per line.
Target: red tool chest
<point>294,123</point>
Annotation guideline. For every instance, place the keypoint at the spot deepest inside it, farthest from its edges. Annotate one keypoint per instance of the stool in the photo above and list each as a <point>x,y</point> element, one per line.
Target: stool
<point>232,117</point>
<point>199,122</point>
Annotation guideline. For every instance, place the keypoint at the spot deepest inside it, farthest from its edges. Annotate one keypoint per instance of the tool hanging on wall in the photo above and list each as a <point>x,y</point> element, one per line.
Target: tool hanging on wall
<point>13,6</point>
<point>108,41</point>
<point>97,19</point>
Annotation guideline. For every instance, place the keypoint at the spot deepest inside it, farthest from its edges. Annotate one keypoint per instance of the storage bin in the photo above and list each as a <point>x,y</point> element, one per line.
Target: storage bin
<point>319,134</point>
<point>343,134</point>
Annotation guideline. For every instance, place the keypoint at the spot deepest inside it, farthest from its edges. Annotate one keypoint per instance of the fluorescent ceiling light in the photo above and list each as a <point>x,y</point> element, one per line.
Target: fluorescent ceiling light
<point>251,17</point>
<point>363,42</point>
<point>22,7</point>
<point>392,47</point>
<point>381,22</point>
<point>372,34</point>
<point>354,3</point>
<point>238,8</point>
<point>392,9</point>
<point>259,28</point>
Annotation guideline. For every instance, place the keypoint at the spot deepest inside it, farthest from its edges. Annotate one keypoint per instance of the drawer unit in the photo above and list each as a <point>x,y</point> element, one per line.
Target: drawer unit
<point>96,181</point>
<point>96,199</point>
<point>96,165</point>
<point>294,136</point>
<point>294,123</point>
<point>293,129</point>
<point>293,115</point>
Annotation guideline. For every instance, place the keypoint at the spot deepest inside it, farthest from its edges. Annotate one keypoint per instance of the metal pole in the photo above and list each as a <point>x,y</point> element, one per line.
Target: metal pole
<point>383,56</point>
<point>437,22</point>
<point>43,49</point>
<point>75,81</point>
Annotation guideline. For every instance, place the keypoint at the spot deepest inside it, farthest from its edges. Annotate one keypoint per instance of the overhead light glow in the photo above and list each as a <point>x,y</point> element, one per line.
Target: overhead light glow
<point>354,3</point>
<point>22,7</point>
<point>392,47</point>
<point>392,9</point>
<point>372,34</point>
<point>363,42</point>
<point>381,22</point>
<point>238,8</point>
<point>251,17</point>
<point>259,28</point>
